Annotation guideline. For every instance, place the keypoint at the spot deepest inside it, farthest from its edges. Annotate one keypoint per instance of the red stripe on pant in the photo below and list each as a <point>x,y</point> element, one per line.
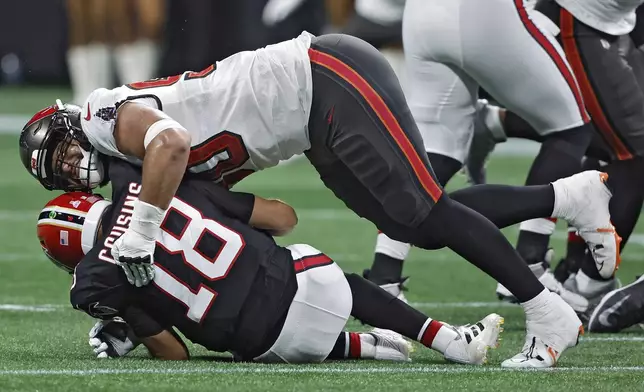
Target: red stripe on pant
<point>385,115</point>
<point>308,262</point>
<point>594,107</point>
<point>554,55</point>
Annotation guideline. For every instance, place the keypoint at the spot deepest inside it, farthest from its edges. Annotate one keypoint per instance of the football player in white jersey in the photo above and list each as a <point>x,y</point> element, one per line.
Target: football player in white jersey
<point>601,41</point>
<point>334,98</point>
<point>453,48</point>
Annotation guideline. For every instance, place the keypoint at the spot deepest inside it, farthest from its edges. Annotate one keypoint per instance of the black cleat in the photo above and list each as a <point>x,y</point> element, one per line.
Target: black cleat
<point>619,309</point>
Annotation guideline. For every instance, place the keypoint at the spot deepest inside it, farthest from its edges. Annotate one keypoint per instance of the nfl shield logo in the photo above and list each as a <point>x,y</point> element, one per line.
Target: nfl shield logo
<point>64,237</point>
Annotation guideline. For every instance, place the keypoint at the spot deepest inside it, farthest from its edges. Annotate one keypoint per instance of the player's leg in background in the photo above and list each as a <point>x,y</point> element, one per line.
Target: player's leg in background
<point>611,81</point>
<point>366,146</point>
<point>88,56</point>
<point>542,90</point>
<point>135,32</point>
<point>442,100</point>
<point>378,308</point>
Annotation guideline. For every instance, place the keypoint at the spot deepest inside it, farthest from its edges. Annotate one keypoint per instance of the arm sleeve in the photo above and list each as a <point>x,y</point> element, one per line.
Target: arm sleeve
<point>141,323</point>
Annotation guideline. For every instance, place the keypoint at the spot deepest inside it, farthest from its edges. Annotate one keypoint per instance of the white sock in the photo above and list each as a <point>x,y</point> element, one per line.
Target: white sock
<point>537,303</point>
<point>539,226</point>
<point>137,61</point>
<point>562,206</point>
<point>436,335</point>
<point>492,120</point>
<point>392,248</point>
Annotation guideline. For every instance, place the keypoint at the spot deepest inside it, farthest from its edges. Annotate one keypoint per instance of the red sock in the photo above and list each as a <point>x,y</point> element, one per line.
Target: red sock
<point>435,335</point>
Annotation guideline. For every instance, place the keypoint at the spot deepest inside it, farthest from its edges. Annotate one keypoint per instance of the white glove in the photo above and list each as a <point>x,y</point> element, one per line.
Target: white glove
<point>134,249</point>
<point>276,11</point>
<point>112,338</point>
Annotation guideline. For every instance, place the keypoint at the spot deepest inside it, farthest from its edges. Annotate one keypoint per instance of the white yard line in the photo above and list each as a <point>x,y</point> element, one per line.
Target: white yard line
<point>612,339</point>
<point>309,370</point>
<point>30,308</point>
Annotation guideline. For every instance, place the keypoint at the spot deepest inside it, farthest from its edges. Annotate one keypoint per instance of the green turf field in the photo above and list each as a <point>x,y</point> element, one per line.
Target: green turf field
<point>43,342</point>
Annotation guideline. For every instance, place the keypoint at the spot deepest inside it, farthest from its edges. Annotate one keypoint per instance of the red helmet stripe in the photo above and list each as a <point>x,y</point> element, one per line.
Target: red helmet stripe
<point>48,111</point>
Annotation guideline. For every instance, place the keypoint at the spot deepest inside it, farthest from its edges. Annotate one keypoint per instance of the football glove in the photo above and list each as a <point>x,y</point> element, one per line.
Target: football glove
<point>134,249</point>
<point>112,338</point>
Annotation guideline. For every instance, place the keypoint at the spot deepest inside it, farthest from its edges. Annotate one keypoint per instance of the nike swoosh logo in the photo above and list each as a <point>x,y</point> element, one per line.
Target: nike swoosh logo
<point>89,113</point>
<point>603,316</point>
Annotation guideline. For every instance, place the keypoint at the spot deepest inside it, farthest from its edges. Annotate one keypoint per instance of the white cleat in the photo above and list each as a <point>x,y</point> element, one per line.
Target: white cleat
<point>383,345</point>
<point>583,200</point>
<point>551,329</point>
<point>395,289</point>
<point>473,341</point>
<point>536,355</point>
<point>577,301</point>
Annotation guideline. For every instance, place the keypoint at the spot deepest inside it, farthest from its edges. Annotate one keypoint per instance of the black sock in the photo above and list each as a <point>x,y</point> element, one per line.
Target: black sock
<point>532,246</point>
<point>340,349</point>
<point>515,126</point>
<point>506,205</point>
<point>376,307</point>
<point>387,269</point>
<point>560,156</point>
<point>481,243</point>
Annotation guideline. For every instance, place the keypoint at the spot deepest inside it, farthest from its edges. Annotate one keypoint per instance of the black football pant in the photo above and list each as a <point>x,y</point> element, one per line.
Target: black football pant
<point>369,152</point>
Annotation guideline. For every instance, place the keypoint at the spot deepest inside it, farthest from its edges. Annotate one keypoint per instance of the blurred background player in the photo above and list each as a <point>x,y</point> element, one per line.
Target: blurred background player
<point>103,33</point>
<point>602,44</point>
<point>444,79</point>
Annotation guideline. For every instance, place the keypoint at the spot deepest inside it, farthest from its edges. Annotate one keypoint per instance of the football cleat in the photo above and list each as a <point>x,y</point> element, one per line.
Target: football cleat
<point>579,303</point>
<point>473,341</point>
<point>583,200</point>
<point>619,309</point>
<point>483,142</point>
<point>550,330</point>
<point>534,356</point>
<point>591,289</point>
<point>383,345</point>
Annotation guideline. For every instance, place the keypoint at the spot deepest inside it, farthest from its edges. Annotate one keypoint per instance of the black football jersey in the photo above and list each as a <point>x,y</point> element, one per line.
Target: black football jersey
<point>221,283</point>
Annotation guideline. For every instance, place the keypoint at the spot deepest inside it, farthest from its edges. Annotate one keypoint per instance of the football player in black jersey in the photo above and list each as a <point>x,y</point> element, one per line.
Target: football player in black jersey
<point>228,286</point>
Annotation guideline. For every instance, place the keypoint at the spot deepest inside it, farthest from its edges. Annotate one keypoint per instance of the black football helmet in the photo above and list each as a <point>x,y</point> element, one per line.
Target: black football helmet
<point>44,143</point>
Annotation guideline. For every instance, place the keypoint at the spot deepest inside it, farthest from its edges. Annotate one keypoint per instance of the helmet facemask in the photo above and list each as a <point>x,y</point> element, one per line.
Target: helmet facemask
<point>54,169</point>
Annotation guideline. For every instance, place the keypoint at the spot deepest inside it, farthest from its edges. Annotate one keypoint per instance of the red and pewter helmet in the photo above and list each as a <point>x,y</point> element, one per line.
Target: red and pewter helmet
<point>44,142</point>
<point>68,227</point>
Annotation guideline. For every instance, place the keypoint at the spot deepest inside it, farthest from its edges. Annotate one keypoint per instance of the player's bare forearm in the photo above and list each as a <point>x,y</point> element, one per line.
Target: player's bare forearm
<point>274,216</point>
<point>166,346</point>
<point>164,165</point>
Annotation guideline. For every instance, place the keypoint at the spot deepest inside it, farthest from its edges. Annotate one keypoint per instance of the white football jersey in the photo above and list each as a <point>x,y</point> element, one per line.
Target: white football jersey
<point>247,112</point>
<point>615,17</point>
